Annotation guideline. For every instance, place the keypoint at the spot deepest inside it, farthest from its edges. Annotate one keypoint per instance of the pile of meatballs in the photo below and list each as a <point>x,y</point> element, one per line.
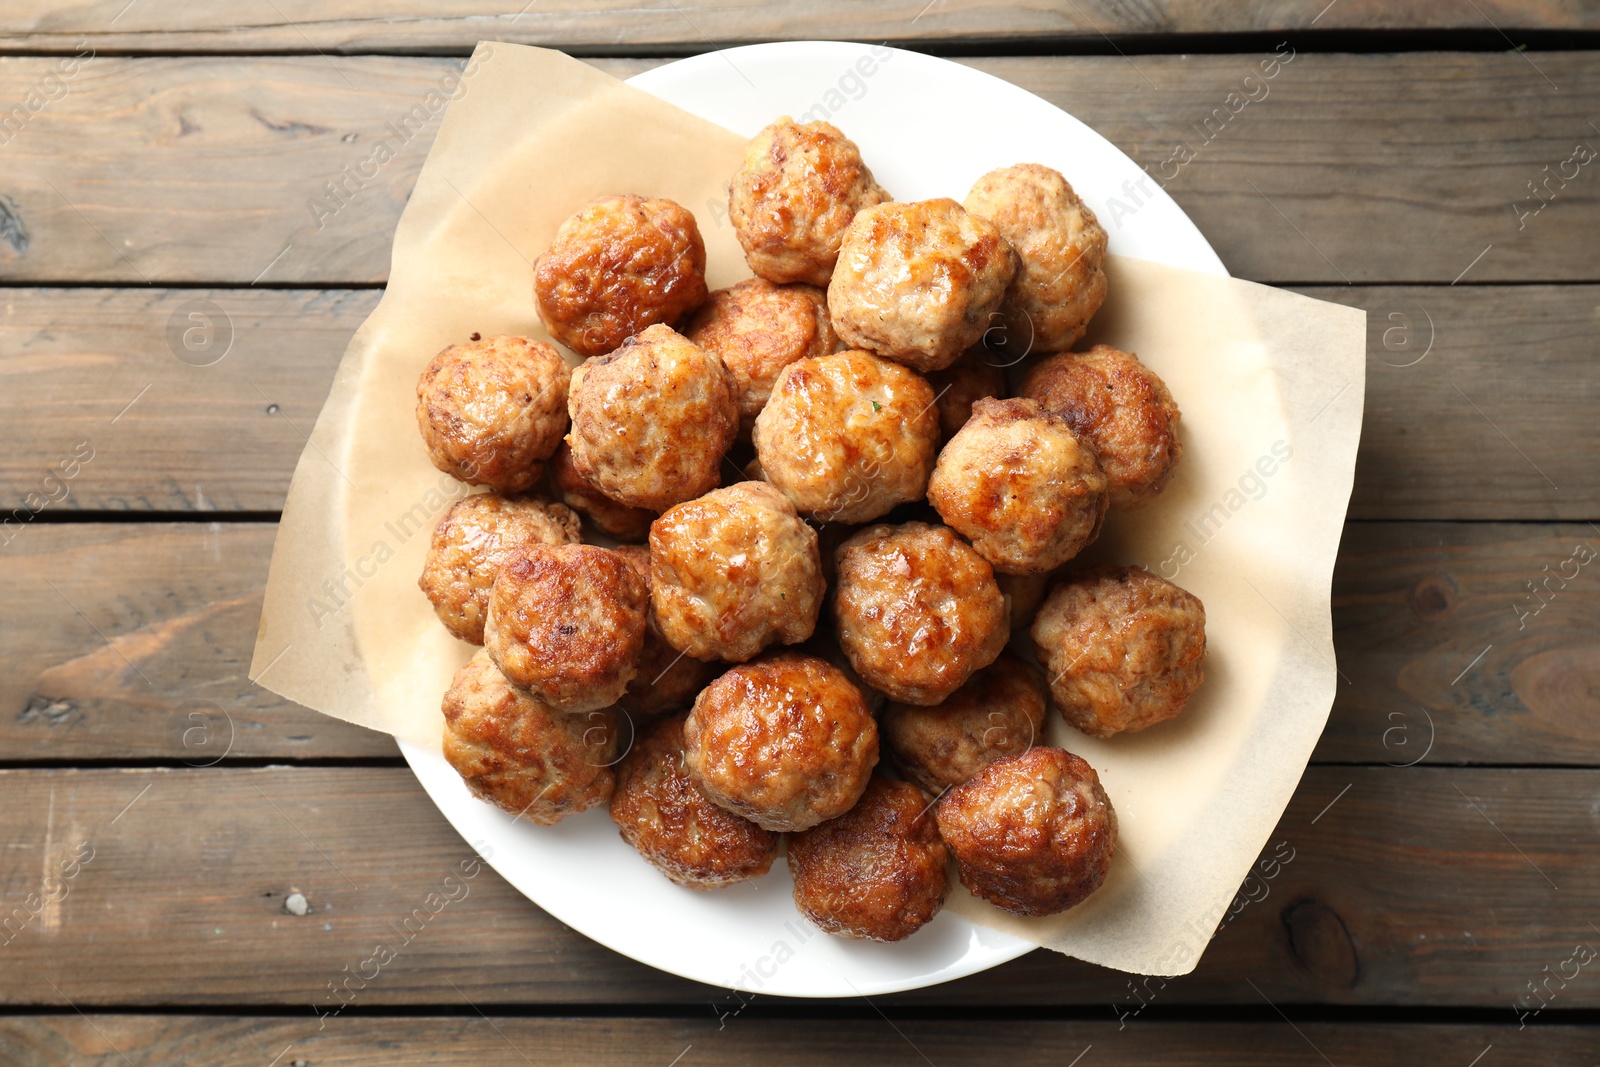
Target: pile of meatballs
<point>666,524</point>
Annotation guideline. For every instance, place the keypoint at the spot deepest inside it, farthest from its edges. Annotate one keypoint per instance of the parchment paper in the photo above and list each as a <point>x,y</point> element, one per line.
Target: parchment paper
<point>1270,384</point>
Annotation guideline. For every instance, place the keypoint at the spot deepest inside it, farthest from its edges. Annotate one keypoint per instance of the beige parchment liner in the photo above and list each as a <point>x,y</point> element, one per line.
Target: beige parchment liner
<point>1270,383</point>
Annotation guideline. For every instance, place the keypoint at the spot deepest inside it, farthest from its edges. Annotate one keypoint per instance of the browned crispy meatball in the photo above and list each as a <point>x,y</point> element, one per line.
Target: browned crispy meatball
<point>918,610</point>
<point>1031,833</point>
<point>876,872</point>
<point>520,754</point>
<point>567,622</point>
<point>1124,649</point>
<point>675,826</point>
<point>667,679</point>
<point>651,421</point>
<point>1024,593</point>
<point>848,436</point>
<point>1125,411</point>
<point>734,571</point>
<point>608,516</point>
<point>1061,247</point>
<point>492,411</point>
<point>917,283</point>
<point>785,741</point>
<point>470,545</point>
<point>757,328</point>
<point>1021,486</point>
<point>798,188</point>
<point>958,386</point>
<point>999,712</point>
<point>619,265</point>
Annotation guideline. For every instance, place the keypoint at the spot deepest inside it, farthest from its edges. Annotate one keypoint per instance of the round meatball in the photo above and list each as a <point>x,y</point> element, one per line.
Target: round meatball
<point>470,545</point>
<point>567,622</point>
<point>1061,249</point>
<point>848,436</point>
<point>795,193</point>
<point>492,411</point>
<point>958,386</point>
<point>1024,593</point>
<point>617,266</point>
<point>519,753</point>
<point>675,826</point>
<point>878,871</point>
<point>667,679</point>
<point>607,516</point>
<point>651,421</point>
<point>917,283</point>
<point>999,712</point>
<point>734,571</point>
<point>785,741</point>
<point>1021,486</point>
<point>1124,649</point>
<point>757,328</point>
<point>918,610</point>
<point>1124,410</point>
<point>1031,833</point>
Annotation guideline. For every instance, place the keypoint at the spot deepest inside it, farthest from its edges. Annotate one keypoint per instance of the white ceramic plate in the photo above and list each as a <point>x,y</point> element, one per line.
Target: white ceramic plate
<point>927,127</point>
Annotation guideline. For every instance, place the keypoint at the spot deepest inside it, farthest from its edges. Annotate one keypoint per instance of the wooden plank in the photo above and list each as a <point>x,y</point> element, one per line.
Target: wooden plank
<point>1405,887</point>
<point>347,26</point>
<point>97,1040</point>
<point>1346,169</point>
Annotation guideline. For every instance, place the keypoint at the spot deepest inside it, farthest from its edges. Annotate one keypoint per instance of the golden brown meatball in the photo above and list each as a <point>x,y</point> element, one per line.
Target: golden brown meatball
<point>999,712</point>
<point>876,872</point>
<point>734,571</point>
<point>492,411</point>
<point>798,188</point>
<point>651,421</point>
<point>1124,649</point>
<point>1021,486</point>
<point>1031,833</point>
<point>1125,411</point>
<point>567,622</point>
<point>918,610</point>
<point>958,386</point>
<point>470,545</point>
<point>1024,593</point>
<point>607,516</point>
<point>675,826</point>
<point>619,265</point>
<point>757,328</point>
<point>918,283</point>
<point>785,741</point>
<point>667,679</point>
<point>848,436</point>
<point>520,754</point>
<point>1061,248</point>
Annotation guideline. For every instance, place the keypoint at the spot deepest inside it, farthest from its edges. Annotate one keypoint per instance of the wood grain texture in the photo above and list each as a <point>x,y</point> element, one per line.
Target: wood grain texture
<point>182,901</point>
<point>1345,169</point>
<point>70,1040</point>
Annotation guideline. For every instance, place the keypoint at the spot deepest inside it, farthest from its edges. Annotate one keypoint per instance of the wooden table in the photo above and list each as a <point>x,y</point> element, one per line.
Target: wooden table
<point>157,161</point>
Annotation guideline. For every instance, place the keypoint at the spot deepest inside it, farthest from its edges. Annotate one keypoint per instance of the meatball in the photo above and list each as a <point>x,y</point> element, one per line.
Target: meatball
<point>567,622</point>
<point>1024,593</point>
<point>734,571</point>
<point>492,411</point>
<point>675,826</point>
<point>848,436</point>
<point>918,283</point>
<point>757,328</point>
<point>1124,410</point>
<point>1021,486</point>
<point>651,421</point>
<point>607,516</point>
<point>470,545</point>
<point>876,872</point>
<point>785,741</point>
<point>918,610</point>
<point>999,712</point>
<point>1061,249</point>
<point>958,386</point>
<point>519,753</point>
<point>667,679</point>
<point>617,266</point>
<point>795,193</point>
<point>1124,649</point>
<point>1031,833</point>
